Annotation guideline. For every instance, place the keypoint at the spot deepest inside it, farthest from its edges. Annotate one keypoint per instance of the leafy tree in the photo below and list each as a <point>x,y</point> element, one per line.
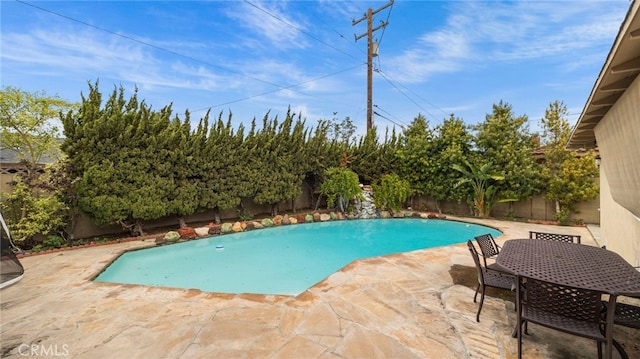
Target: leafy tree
<point>230,166</point>
<point>340,187</point>
<point>27,126</point>
<point>451,146</point>
<point>178,158</point>
<point>505,140</point>
<point>343,131</point>
<point>29,213</point>
<point>483,181</point>
<point>225,178</point>
<point>415,155</point>
<point>569,178</point>
<point>319,154</point>
<point>370,159</point>
<point>60,182</point>
<point>124,155</point>
<point>391,192</point>
<point>426,157</point>
<point>275,158</point>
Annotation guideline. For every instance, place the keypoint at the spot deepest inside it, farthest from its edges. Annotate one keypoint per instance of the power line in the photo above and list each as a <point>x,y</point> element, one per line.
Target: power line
<point>148,44</point>
<point>388,119</point>
<point>301,30</point>
<point>401,124</point>
<point>343,37</point>
<point>277,90</point>
<point>280,87</point>
<point>404,94</point>
<point>385,29</point>
<point>423,99</point>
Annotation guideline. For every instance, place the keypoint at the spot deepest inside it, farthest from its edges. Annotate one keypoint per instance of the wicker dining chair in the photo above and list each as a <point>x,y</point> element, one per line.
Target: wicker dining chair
<point>488,247</point>
<point>567,309</point>
<point>626,315</point>
<point>570,238</point>
<point>488,278</point>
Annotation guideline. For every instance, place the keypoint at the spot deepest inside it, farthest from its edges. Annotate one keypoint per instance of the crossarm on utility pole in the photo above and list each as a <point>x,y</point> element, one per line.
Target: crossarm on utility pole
<point>369,35</point>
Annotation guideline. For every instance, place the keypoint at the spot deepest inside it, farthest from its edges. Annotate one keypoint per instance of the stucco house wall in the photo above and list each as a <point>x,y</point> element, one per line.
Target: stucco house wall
<point>618,135</point>
<point>610,121</point>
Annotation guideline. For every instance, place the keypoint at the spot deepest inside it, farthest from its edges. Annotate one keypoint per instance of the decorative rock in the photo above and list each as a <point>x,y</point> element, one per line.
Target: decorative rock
<point>237,227</point>
<point>407,214</point>
<point>300,218</point>
<point>243,225</point>
<point>397,214</point>
<point>293,220</point>
<point>267,222</point>
<point>249,226</point>
<point>366,207</point>
<point>187,233</point>
<point>277,220</point>
<point>432,216</point>
<point>424,215</point>
<point>172,236</point>
<point>286,220</point>
<point>442,216</point>
<point>309,218</point>
<point>214,229</point>
<point>351,216</point>
<point>340,216</point>
<point>385,214</point>
<point>316,217</point>
<point>226,228</point>
<point>202,231</point>
<point>257,225</point>
<point>333,216</point>
<point>325,217</point>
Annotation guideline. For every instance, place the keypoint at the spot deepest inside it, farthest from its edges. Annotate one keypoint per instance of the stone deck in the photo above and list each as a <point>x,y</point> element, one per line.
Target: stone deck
<point>410,305</point>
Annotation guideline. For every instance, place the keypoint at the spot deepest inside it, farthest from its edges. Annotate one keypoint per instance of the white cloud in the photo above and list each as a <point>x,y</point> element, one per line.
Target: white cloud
<point>69,50</point>
<point>282,30</point>
<point>92,54</point>
<point>479,32</point>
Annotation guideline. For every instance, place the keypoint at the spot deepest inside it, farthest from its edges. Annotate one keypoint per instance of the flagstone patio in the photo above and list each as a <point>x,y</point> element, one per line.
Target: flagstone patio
<point>410,305</point>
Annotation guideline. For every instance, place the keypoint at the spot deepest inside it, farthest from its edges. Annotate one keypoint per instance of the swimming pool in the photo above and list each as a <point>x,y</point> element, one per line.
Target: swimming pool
<point>281,260</point>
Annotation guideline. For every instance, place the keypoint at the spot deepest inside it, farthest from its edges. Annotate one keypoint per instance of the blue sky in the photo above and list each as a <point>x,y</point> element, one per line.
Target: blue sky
<point>250,57</point>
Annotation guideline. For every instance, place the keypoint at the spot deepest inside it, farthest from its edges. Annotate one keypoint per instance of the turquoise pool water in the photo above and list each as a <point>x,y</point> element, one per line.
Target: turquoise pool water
<point>281,260</point>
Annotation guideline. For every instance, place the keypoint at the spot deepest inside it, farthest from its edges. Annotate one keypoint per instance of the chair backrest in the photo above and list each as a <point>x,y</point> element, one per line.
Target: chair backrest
<point>571,238</point>
<point>573,310</point>
<point>488,246</point>
<point>476,260</point>
<point>580,304</point>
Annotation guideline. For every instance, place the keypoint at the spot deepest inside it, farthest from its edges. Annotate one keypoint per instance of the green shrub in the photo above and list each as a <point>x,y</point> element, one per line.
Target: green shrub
<point>29,213</point>
<point>341,186</point>
<point>391,192</point>
<point>54,241</point>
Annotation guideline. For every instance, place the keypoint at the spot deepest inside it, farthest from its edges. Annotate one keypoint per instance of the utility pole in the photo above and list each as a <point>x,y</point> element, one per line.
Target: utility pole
<point>370,55</point>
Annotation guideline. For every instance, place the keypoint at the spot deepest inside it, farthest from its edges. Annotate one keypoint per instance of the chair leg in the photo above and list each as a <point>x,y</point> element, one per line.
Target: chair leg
<point>599,350</point>
<point>475,295</point>
<point>620,349</point>
<point>519,335</point>
<point>480,306</point>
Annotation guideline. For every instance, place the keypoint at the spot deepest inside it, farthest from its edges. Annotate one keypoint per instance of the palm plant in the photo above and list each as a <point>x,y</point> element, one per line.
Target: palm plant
<point>481,179</point>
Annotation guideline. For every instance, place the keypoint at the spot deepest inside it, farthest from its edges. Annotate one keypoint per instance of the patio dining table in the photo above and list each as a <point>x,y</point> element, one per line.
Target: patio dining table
<point>571,264</point>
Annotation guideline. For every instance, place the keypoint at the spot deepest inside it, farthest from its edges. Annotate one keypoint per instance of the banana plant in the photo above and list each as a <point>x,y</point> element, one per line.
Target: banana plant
<point>481,179</point>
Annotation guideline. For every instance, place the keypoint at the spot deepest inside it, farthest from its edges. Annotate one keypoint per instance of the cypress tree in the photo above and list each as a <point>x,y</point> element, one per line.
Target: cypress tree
<point>116,151</point>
